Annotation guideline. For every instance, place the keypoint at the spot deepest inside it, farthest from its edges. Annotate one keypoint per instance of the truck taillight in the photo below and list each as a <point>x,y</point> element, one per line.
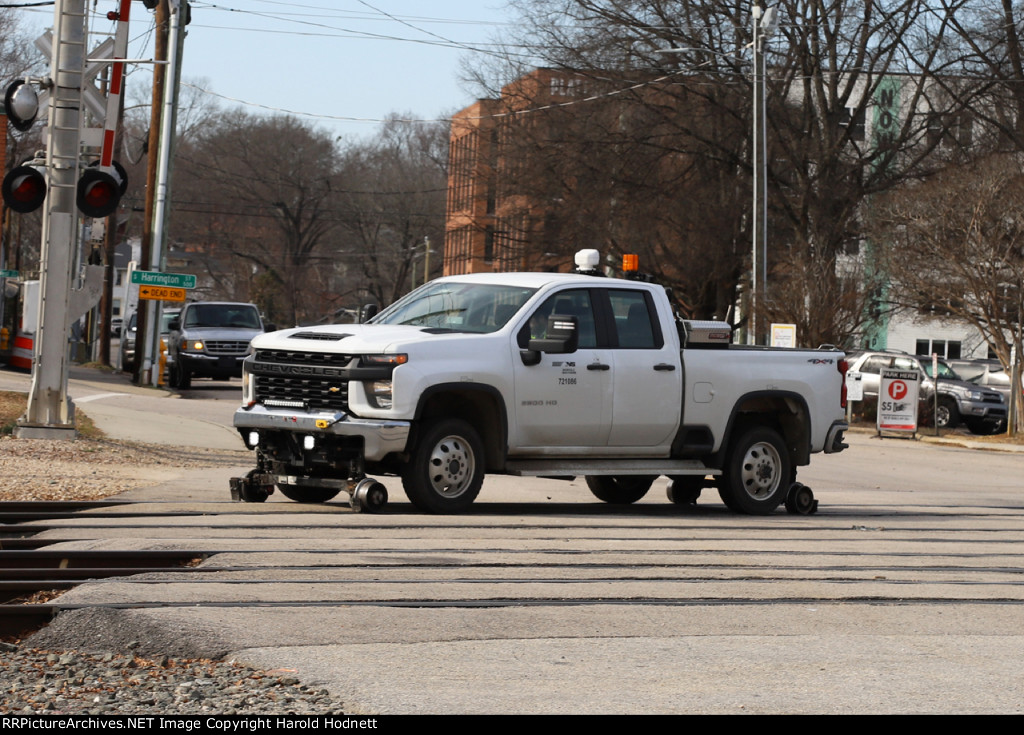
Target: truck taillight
<point>843,366</point>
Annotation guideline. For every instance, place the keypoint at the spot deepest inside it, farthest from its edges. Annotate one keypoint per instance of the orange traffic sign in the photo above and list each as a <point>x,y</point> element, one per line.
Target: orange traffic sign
<point>161,293</point>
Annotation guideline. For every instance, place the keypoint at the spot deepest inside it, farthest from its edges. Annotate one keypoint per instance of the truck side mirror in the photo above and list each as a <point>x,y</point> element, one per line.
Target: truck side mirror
<point>563,336</point>
<point>368,312</point>
<point>174,325</point>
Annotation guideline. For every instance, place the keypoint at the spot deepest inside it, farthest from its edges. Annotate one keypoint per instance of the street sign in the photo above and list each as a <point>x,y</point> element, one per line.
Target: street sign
<point>8,274</point>
<point>160,293</point>
<point>783,335</point>
<point>171,280</point>
<point>897,400</point>
<point>855,386</point>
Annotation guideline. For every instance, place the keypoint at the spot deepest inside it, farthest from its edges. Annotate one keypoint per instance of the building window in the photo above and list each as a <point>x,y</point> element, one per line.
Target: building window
<point>948,349</point>
<point>489,244</point>
<point>953,129</point>
<point>852,120</point>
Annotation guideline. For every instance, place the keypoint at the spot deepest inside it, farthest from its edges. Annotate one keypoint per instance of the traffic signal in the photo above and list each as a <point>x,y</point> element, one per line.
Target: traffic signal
<point>24,188</point>
<point>99,192</point>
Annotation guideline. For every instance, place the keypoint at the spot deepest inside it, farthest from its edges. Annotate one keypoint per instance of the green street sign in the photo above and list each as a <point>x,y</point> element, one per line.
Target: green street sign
<point>8,274</point>
<point>170,280</point>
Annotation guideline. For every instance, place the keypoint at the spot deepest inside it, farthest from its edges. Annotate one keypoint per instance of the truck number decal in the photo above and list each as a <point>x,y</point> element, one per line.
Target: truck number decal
<point>567,381</point>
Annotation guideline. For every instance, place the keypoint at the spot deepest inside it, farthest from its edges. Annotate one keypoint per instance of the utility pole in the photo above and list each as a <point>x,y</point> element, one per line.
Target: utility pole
<point>144,328</point>
<point>161,210</point>
<point>764,26</point>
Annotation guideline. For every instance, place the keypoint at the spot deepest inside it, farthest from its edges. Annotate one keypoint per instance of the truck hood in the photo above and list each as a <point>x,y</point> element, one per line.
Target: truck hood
<point>353,338</point>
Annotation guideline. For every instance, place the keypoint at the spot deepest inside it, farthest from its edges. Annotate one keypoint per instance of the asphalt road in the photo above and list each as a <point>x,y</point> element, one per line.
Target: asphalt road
<point>903,594</point>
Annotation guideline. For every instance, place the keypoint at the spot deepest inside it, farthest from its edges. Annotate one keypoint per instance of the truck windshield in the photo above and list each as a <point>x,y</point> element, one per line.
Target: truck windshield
<point>223,315</point>
<point>458,307</point>
<point>945,371</point>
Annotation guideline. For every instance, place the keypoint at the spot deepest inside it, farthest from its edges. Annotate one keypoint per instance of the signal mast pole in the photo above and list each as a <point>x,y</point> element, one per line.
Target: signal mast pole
<point>50,413</point>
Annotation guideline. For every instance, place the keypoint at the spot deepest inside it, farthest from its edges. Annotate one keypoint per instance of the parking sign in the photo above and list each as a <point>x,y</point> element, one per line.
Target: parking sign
<point>897,400</point>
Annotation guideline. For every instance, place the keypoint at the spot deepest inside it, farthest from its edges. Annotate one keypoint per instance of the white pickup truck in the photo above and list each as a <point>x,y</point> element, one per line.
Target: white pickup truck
<point>543,374</point>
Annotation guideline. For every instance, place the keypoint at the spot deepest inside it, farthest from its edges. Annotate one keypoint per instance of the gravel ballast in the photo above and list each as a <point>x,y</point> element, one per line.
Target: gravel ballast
<point>75,683</point>
<point>58,681</point>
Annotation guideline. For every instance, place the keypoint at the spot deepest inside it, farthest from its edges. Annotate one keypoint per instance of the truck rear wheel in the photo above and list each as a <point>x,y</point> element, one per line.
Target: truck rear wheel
<point>619,489</point>
<point>758,473</point>
<point>446,469</point>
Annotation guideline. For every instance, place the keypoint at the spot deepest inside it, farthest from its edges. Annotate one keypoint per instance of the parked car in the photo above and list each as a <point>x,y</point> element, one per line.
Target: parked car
<point>981,409</point>
<point>131,330</point>
<point>987,373</point>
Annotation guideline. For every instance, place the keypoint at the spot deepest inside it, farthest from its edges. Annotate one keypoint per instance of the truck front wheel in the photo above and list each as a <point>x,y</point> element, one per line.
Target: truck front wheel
<point>947,416</point>
<point>758,473</point>
<point>620,489</point>
<point>446,469</point>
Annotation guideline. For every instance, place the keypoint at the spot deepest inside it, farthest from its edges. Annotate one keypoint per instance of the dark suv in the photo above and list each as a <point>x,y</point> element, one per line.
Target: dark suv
<point>209,339</point>
<point>981,409</point>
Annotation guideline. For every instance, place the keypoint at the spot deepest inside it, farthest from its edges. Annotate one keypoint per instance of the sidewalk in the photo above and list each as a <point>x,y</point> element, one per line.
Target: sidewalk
<point>125,411</point>
<point>994,443</point>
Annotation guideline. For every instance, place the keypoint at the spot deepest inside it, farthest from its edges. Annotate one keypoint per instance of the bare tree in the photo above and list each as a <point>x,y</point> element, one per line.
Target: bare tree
<point>264,190</point>
<point>968,262</point>
<point>392,199</point>
<point>831,65</point>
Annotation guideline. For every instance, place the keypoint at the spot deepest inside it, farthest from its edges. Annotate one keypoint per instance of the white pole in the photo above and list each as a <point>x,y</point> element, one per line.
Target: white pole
<point>168,121</point>
<point>50,413</point>
<point>755,215</point>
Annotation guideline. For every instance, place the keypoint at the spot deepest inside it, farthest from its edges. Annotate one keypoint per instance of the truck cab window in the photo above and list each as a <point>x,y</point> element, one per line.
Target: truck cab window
<point>633,324</point>
<point>575,303</point>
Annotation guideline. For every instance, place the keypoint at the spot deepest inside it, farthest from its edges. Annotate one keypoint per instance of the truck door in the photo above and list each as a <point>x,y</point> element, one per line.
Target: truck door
<point>646,374</point>
<point>564,401</point>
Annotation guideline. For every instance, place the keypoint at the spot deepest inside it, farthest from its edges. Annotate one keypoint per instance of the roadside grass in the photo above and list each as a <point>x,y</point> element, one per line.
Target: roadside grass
<point>12,406</point>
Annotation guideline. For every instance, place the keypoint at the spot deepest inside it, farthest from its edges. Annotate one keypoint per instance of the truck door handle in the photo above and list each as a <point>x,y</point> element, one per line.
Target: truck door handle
<point>598,366</point>
<point>667,367</point>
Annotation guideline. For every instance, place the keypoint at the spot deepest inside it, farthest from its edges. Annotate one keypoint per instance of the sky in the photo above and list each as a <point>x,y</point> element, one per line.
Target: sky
<point>346,64</point>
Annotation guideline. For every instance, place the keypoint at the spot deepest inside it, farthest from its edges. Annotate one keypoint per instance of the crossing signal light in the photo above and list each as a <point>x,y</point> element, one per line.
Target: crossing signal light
<point>21,101</point>
<point>99,192</point>
<point>24,189</point>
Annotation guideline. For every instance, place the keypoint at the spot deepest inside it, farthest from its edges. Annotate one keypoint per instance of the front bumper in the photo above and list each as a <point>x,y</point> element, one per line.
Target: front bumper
<point>212,366</point>
<point>986,411</point>
<point>380,437</point>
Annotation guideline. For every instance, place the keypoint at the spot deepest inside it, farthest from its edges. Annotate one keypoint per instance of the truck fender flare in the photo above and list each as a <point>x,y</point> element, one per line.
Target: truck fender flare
<point>801,453</point>
<point>493,430</point>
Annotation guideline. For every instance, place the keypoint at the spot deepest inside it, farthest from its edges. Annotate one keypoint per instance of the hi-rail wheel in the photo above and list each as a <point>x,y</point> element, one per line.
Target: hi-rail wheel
<point>684,489</point>
<point>249,489</point>
<point>800,500</point>
<point>368,496</point>
<point>619,489</point>
<point>307,494</point>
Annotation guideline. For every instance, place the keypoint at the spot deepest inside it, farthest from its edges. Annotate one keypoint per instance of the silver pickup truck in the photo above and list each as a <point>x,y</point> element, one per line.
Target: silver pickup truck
<point>210,339</point>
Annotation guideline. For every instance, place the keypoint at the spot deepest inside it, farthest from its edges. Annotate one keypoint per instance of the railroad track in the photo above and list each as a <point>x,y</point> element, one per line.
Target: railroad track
<point>508,555</point>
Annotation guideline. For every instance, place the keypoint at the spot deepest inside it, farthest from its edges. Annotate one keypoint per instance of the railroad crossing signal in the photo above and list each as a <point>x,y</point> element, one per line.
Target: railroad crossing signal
<point>24,188</point>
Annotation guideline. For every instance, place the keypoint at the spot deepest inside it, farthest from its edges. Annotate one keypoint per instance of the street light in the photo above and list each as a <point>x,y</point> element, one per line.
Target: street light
<point>764,26</point>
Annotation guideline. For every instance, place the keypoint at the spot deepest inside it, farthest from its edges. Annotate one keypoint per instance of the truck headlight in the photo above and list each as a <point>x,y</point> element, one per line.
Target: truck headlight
<point>192,345</point>
<point>380,393</point>
<point>248,387</point>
